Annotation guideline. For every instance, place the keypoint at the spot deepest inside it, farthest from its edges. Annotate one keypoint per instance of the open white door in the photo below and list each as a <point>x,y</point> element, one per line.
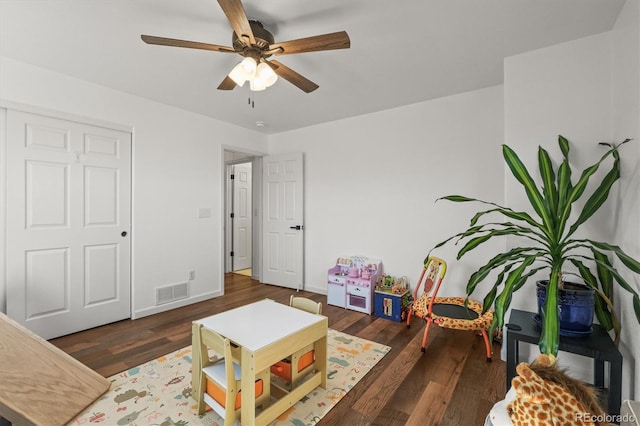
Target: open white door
<point>242,234</point>
<point>283,225</point>
<point>68,224</point>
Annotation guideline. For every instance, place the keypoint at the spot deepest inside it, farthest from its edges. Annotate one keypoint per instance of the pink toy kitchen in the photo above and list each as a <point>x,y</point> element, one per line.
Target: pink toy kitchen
<point>351,283</point>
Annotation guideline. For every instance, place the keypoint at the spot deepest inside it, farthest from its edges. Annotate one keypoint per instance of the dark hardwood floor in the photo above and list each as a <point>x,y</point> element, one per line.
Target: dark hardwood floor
<point>450,384</point>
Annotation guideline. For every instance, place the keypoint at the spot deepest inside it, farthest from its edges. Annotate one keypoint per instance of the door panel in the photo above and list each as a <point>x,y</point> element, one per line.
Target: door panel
<point>47,282</point>
<point>47,194</point>
<point>283,220</point>
<point>101,274</point>
<point>68,192</point>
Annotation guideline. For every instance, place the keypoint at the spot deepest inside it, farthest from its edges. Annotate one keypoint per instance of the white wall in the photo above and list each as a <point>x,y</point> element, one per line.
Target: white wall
<point>371,183</point>
<point>177,169</point>
<point>626,124</point>
<point>567,89</point>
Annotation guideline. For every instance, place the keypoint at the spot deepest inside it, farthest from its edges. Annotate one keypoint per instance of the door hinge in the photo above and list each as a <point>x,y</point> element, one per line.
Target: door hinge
<point>231,254</point>
<point>233,177</point>
<point>232,215</point>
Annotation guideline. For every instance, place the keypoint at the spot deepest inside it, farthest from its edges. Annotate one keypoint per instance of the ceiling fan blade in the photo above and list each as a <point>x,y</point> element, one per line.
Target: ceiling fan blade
<point>339,40</point>
<point>227,84</point>
<point>293,77</point>
<point>238,19</point>
<point>185,43</point>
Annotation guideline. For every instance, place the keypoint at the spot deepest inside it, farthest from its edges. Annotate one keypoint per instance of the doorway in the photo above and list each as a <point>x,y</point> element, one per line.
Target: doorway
<point>241,218</point>
<point>277,227</point>
<point>241,214</point>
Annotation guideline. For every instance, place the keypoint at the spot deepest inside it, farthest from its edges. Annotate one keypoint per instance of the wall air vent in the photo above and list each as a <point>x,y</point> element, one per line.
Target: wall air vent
<point>171,293</point>
<point>181,291</point>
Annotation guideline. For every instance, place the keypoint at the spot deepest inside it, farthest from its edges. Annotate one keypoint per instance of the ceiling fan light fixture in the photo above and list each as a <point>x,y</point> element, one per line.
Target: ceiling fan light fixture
<point>265,75</point>
<point>245,70</point>
<point>249,65</point>
<point>256,85</point>
<point>238,75</point>
<point>256,44</point>
<point>260,76</point>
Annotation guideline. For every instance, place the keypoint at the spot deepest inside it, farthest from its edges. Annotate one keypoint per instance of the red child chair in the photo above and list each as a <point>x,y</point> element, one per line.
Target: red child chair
<point>457,313</point>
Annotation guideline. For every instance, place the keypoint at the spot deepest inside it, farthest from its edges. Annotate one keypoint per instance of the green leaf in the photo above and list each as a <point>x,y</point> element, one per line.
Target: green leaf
<point>564,186</point>
<point>461,235</point>
<point>523,216</point>
<point>513,280</point>
<point>601,310</point>
<point>602,307</point>
<point>520,216</point>
<point>475,242</point>
<point>514,255</point>
<point>564,146</point>
<point>602,313</point>
<point>598,197</point>
<point>579,188</point>
<point>627,260</point>
<point>604,276</point>
<point>625,285</point>
<point>457,198</point>
<point>621,281</point>
<point>585,273</point>
<point>636,307</point>
<point>548,181</point>
<point>521,173</point>
<point>564,176</point>
<point>490,297</point>
<point>526,277</point>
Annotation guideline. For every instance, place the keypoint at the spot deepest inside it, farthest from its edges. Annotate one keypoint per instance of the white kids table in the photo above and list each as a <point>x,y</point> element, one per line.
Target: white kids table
<point>266,332</point>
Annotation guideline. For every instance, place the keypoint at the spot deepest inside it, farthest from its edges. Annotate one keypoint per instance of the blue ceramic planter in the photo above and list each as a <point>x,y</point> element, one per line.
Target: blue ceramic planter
<point>575,307</point>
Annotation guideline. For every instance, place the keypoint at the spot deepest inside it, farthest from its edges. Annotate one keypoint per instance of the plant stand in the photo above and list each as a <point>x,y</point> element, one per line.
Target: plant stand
<point>598,345</point>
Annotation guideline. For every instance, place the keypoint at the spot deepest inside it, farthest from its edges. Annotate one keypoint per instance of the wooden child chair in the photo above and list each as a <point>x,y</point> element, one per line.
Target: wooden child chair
<point>219,380</point>
<point>457,313</point>
<point>305,357</point>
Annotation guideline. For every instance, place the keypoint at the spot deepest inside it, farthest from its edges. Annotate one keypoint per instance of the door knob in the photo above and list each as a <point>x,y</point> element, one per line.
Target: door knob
<point>124,233</point>
<point>297,227</point>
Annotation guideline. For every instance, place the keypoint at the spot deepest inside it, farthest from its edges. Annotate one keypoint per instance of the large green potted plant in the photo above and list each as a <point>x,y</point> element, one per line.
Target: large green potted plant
<point>547,242</point>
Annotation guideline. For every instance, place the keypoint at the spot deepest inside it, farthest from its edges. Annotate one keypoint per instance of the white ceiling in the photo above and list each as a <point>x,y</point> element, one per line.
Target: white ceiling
<point>402,51</point>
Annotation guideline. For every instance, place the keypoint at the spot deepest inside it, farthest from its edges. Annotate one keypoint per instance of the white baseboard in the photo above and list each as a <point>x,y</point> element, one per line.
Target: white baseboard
<point>318,290</point>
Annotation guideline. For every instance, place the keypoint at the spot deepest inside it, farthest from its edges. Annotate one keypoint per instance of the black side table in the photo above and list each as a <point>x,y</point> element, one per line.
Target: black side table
<point>598,345</point>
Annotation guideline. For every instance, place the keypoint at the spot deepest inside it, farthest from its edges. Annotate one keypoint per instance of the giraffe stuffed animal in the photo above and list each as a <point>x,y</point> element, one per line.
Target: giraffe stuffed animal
<point>542,395</point>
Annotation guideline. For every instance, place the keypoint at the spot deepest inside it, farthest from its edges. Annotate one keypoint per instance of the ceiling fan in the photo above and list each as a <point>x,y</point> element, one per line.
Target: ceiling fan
<point>252,41</point>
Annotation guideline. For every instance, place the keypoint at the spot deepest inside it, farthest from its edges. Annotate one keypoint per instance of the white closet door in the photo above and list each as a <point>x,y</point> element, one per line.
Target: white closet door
<point>68,224</point>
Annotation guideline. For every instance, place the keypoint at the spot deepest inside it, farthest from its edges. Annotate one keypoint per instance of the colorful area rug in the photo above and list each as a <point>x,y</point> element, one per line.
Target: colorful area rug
<point>159,391</point>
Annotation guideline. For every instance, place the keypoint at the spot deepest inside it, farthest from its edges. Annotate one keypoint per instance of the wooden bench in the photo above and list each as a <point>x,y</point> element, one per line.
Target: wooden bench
<point>39,383</point>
